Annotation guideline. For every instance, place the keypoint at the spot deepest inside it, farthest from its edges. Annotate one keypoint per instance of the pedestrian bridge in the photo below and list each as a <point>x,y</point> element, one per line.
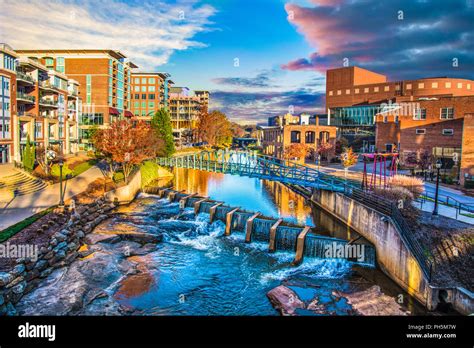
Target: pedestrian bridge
<point>250,164</point>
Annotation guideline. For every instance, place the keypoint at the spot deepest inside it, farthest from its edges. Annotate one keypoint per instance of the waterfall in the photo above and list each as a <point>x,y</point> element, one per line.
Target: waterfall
<point>205,207</point>
<point>239,220</point>
<point>261,229</point>
<point>222,211</point>
<point>191,200</point>
<point>286,237</point>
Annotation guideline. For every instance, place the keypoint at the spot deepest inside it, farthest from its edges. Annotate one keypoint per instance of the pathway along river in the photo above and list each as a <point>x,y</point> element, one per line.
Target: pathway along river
<point>197,271</point>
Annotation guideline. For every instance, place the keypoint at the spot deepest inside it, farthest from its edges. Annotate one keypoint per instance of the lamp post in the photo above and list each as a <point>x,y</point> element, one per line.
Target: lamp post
<point>61,198</point>
<point>438,167</point>
<point>319,161</point>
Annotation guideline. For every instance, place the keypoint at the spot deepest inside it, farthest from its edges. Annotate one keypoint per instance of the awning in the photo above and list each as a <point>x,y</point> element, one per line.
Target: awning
<point>114,111</point>
<point>128,113</point>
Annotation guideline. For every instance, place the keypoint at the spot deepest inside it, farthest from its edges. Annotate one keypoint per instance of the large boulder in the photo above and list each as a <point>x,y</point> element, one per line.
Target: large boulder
<point>285,300</point>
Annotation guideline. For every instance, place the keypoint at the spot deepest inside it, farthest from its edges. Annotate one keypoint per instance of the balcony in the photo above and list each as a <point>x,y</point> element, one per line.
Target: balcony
<point>26,114</point>
<point>23,78</point>
<point>72,92</point>
<point>46,103</point>
<point>22,97</point>
<point>48,87</point>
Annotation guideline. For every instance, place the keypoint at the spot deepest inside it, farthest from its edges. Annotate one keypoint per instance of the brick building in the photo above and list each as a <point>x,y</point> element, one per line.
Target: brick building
<point>104,78</point>
<point>354,96</point>
<point>274,139</point>
<point>150,93</point>
<point>435,125</point>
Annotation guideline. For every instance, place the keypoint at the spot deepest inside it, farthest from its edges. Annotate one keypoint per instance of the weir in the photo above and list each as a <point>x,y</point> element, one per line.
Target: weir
<point>279,235</point>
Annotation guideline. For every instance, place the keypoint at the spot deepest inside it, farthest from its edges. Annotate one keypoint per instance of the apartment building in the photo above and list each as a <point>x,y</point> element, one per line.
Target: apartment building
<point>150,93</point>
<point>104,83</point>
<point>274,139</point>
<point>354,96</point>
<point>436,125</point>
<point>37,103</point>
<point>184,111</point>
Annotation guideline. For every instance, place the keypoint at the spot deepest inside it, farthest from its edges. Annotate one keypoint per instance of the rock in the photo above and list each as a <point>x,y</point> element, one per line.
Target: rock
<point>15,281</point>
<point>72,246</point>
<point>60,247</point>
<point>43,250</point>
<point>10,309</point>
<point>46,272</point>
<point>19,288</point>
<point>53,242</point>
<point>18,269</point>
<point>316,307</point>
<point>60,237</point>
<point>71,257</point>
<point>2,300</point>
<point>41,265</point>
<point>30,265</point>
<point>80,234</point>
<point>32,274</point>
<point>285,300</point>
<point>95,238</point>
<point>5,278</point>
<point>142,238</point>
<point>61,254</point>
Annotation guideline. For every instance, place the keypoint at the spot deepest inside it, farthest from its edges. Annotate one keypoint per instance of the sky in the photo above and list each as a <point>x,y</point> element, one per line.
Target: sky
<point>258,58</point>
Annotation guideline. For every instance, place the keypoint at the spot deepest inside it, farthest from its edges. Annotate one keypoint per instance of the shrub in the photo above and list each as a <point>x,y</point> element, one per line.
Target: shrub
<point>395,194</point>
<point>118,176</point>
<point>149,172</point>
<point>414,185</point>
<point>66,170</point>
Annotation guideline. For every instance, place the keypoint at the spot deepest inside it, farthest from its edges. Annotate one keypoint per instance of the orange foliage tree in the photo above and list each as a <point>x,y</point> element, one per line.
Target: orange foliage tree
<point>324,149</point>
<point>349,157</point>
<point>127,143</point>
<point>298,151</point>
<point>214,128</point>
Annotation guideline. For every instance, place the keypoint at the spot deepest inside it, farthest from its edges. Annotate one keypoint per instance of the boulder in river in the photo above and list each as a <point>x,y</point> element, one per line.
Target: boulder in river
<point>285,300</point>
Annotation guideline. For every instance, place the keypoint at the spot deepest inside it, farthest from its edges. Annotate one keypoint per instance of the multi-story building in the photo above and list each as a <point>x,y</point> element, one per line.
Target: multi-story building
<point>433,125</point>
<point>150,93</point>
<point>37,104</point>
<point>184,111</point>
<point>7,102</point>
<point>104,78</point>
<point>354,96</point>
<point>274,139</point>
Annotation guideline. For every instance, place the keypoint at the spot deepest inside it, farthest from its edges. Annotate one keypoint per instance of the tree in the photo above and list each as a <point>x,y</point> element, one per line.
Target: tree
<point>324,149</point>
<point>237,130</point>
<point>128,144</point>
<point>349,157</point>
<point>214,128</point>
<point>298,151</point>
<point>340,145</point>
<point>161,124</point>
<point>28,155</point>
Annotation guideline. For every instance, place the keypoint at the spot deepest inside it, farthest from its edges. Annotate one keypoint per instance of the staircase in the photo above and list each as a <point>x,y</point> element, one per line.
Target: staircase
<point>14,182</point>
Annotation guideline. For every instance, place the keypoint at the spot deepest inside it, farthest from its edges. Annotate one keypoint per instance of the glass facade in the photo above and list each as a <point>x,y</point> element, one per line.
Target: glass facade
<point>363,115</point>
<point>5,108</point>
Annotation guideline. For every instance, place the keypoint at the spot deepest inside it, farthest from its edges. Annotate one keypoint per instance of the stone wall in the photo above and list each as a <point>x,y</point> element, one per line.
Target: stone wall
<point>62,250</point>
<point>127,193</point>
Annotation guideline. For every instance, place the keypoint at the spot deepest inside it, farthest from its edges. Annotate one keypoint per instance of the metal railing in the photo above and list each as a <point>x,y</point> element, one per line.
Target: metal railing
<point>24,96</point>
<point>22,76</point>
<point>461,208</point>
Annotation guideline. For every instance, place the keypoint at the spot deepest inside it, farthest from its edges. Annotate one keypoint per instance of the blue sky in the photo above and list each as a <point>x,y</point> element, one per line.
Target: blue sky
<point>283,47</point>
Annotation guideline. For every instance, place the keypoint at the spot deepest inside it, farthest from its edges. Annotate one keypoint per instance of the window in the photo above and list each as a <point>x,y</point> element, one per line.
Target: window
<point>459,84</point>
<point>310,137</point>
<point>143,104</point>
<point>366,90</point>
<point>385,119</point>
<point>376,89</point>
<point>137,89</point>
<point>339,92</point>
<point>330,93</point>
<point>136,104</point>
<point>420,114</point>
<point>60,64</point>
<point>137,80</point>
<point>143,96</point>
<point>91,119</point>
<point>420,131</point>
<point>151,88</point>
<point>447,113</point>
<point>448,84</point>
<point>151,96</point>
<point>386,88</point>
<point>434,85</point>
<point>408,85</point>
<point>468,86</point>
<point>88,89</point>
<point>295,136</point>
<point>49,62</point>
<point>143,80</point>
<point>151,105</point>
<point>421,85</point>
<point>348,91</point>
<point>448,131</point>
<point>143,88</point>
<point>151,80</point>
<point>356,91</point>
<point>137,96</point>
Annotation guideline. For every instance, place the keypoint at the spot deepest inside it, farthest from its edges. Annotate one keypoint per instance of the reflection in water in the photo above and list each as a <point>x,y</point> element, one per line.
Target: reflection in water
<point>269,198</point>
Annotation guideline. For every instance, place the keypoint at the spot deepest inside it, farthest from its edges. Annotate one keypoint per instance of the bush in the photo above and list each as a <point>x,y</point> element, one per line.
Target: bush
<point>149,172</point>
<point>66,170</point>
<point>412,184</point>
<point>395,194</point>
<point>118,177</point>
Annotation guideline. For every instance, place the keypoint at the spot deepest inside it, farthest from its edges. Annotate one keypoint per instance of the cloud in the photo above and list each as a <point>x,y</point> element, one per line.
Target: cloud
<point>250,107</point>
<point>148,32</point>
<point>263,79</point>
<point>407,37</point>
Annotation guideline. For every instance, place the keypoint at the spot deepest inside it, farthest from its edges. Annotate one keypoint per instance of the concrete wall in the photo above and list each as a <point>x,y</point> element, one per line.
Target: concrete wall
<point>127,193</point>
<point>393,256</point>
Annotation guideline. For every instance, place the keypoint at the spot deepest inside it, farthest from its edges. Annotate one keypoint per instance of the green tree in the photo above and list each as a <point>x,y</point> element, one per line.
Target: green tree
<point>161,124</point>
<point>29,155</point>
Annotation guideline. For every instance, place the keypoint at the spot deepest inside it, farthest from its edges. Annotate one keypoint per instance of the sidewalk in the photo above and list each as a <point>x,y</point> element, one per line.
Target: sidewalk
<point>25,206</point>
<point>444,210</point>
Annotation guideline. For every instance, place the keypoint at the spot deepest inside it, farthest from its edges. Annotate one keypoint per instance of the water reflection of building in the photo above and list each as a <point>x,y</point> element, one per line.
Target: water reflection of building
<point>195,181</point>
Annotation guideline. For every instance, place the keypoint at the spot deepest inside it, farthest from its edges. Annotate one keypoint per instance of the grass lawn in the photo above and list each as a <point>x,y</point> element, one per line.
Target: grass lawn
<point>14,229</point>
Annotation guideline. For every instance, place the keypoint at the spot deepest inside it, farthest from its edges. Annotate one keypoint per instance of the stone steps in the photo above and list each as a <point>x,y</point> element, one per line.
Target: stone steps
<point>19,184</point>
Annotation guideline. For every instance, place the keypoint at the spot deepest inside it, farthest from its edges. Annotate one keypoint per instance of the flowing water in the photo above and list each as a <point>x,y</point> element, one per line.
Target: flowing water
<point>198,271</point>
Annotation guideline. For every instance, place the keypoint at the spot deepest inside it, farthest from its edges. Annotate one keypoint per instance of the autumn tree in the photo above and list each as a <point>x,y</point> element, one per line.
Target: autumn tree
<point>161,124</point>
<point>214,128</point>
<point>127,144</point>
<point>349,157</point>
<point>324,149</point>
<point>298,151</point>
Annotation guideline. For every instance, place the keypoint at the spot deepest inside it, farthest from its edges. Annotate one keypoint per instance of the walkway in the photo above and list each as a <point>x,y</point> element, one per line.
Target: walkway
<point>22,207</point>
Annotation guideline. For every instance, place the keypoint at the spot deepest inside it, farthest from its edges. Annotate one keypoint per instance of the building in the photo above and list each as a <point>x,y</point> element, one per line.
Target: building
<point>439,126</point>
<point>354,96</point>
<point>104,83</point>
<point>38,104</point>
<point>274,139</point>
<point>184,111</point>
<point>150,93</point>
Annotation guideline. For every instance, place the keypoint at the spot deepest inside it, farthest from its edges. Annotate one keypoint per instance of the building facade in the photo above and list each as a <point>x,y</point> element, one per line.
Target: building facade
<point>38,104</point>
<point>438,126</point>
<point>354,96</point>
<point>104,83</point>
<point>274,139</point>
<point>150,93</point>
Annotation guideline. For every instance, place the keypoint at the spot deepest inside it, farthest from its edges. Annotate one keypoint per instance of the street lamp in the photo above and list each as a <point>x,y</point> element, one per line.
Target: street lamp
<point>61,198</point>
<point>319,160</point>
<point>438,167</point>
